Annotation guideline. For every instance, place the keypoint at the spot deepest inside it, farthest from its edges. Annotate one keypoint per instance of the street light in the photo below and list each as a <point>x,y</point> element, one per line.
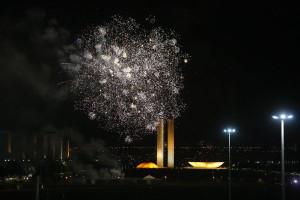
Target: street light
<point>282,117</point>
<point>229,131</point>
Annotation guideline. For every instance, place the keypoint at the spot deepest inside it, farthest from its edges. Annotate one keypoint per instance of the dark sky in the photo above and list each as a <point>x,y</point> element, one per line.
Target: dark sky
<point>243,68</point>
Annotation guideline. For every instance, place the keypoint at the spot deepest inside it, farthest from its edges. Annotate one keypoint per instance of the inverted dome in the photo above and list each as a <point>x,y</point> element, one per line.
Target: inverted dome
<point>147,165</point>
<point>206,165</point>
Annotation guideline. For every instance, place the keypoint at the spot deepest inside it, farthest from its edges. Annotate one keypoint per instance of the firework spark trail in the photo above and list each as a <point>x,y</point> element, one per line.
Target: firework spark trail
<point>128,77</point>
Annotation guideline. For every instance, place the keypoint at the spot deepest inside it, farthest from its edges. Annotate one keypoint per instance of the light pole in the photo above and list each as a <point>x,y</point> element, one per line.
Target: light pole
<point>282,117</point>
<point>229,131</point>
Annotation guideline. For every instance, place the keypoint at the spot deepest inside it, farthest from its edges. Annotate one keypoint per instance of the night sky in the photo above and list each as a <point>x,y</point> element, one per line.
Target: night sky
<point>243,68</point>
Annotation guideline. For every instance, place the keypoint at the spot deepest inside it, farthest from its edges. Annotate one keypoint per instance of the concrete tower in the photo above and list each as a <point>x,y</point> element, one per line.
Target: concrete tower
<point>171,143</point>
<point>161,144</point>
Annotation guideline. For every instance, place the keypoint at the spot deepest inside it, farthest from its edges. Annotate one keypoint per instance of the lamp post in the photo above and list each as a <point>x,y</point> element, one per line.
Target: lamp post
<point>282,117</point>
<point>229,131</point>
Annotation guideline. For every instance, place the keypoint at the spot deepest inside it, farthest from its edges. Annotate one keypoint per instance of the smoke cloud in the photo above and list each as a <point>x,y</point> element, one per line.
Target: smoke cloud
<point>95,160</point>
<point>29,72</point>
<point>31,96</point>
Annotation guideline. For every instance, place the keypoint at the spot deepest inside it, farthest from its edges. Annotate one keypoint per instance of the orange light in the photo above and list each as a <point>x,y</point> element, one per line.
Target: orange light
<point>68,149</point>
<point>147,165</point>
<point>9,142</point>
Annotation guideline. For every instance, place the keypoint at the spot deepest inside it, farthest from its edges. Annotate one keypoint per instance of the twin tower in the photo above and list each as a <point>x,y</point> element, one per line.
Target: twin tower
<point>162,144</point>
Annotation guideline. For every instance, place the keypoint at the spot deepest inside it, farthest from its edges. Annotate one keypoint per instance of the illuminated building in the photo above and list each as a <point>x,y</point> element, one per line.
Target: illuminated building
<point>206,165</point>
<point>68,149</point>
<point>61,148</point>
<point>9,142</point>
<point>171,143</point>
<point>147,165</point>
<point>161,144</point>
<point>53,146</point>
<point>20,145</point>
<point>44,146</point>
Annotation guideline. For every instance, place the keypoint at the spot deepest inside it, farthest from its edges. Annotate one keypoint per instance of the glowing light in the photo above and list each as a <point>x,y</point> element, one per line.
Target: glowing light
<point>160,144</point>
<point>9,142</point>
<point>229,130</point>
<point>126,77</point>
<point>128,139</point>
<point>283,116</point>
<point>295,181</point>
<point>147,165</point>
<point>206,165</point>
<point>92,115</point>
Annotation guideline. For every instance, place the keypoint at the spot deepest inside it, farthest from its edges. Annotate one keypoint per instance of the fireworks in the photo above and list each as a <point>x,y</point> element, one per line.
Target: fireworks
<point>128,77</point>
<point>128,139</point>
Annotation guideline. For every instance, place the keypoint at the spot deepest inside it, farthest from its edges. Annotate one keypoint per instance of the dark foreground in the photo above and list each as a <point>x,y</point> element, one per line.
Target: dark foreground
<point>175,190</point>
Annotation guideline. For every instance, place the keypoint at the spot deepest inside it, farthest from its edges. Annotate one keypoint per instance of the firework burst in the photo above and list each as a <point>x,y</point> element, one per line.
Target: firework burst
<point>127,77</point>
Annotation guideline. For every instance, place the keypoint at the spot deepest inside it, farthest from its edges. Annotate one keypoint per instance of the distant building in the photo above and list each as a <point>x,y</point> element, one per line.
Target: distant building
<point>161,144</point>
<point>5,143</point>
<point>23,145</point>
<point>53,146</point>
<point>206,165</point>
<point>147,165</point>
